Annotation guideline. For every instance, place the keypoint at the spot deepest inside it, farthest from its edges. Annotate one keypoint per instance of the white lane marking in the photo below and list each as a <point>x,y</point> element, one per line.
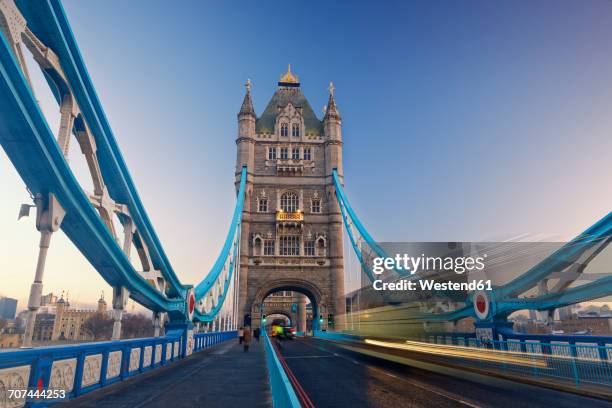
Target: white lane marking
<point>426,388</point>
<point>418,385</point>
<point>286,358</point>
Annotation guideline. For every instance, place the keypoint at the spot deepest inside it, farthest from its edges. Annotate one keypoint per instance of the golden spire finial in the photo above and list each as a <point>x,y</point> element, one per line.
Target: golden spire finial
<point>289,77</point>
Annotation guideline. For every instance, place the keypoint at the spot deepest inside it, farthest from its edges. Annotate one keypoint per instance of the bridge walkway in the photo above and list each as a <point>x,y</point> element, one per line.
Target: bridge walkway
<point>223,376</point>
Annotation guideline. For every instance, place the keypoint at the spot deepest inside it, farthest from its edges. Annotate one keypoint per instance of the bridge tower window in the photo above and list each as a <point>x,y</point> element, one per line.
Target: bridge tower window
<point>295,130</point>
<point>315,205</point>
<point>268,247</point>
<point>309,248</point>
<point>271,153</point>
<point>289,245</point>
<point>262,205</point>
<point>284,130</point>
<point>289,202</point>
<point>284,153</point>
<point>320,247</point>
<point>307,153</point>
<point>295,153</point>
<point>257,246</point>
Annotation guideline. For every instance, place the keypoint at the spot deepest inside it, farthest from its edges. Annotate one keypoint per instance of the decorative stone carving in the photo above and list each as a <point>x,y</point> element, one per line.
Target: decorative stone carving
<point>113,369</point>
<point>146,358</point>
<point>189,350</point>
<point>62,375</point>
<point>14,378</point>
<point>92,366</point>
<point>158,353</point>
<point>134,359</point>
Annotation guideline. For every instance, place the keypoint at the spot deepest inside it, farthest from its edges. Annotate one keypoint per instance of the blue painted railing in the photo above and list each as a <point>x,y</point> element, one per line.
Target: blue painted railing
<point>283,394</point>
<point>336,336</point>
<point>82,368</point>
<point>578,359</point>
<point>205,340</point>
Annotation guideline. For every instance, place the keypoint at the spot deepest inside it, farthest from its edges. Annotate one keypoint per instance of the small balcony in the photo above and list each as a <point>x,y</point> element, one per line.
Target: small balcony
<point>289,216</point>
<point>286,220</point>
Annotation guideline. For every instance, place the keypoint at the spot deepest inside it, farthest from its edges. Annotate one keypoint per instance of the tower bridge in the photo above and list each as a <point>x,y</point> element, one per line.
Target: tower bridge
<point>286,234</point>
<point>291,222</point>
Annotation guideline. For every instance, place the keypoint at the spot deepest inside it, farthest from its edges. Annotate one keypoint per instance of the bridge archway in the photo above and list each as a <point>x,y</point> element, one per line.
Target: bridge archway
<point>277,312</point>
<point>312,292</point>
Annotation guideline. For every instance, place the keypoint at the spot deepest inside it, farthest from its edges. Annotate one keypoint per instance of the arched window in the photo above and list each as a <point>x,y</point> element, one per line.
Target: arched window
<point>289,202</point>
<point>284,129</point>
<point>320,247</point>
<point>295,130</point>
<point>257,246</point>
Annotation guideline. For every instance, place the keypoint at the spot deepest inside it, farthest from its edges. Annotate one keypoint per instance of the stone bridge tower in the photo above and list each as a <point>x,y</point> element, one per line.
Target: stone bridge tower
<point>291,224</point>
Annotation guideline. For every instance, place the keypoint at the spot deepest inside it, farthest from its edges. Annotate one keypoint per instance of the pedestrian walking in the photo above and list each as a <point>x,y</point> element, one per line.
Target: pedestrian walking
<point>240,335</point>
<point>246,342</point>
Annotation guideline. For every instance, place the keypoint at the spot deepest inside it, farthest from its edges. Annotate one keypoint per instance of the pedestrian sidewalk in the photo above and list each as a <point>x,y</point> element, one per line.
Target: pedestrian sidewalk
<point>223,376</point>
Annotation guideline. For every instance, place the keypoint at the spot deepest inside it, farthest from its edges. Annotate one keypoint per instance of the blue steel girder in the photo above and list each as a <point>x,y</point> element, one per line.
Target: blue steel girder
<point>48,21</point>
<point>505,298</point>
<point>357,232</point>
<point>564,257</point>
<point>32,148</point>
<point>228,258</point>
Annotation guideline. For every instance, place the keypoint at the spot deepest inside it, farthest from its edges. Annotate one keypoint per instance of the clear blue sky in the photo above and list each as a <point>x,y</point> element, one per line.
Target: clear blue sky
<point>463,120</point>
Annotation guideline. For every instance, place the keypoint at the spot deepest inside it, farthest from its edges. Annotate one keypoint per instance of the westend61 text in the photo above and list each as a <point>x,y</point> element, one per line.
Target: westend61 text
<point>428,284</point>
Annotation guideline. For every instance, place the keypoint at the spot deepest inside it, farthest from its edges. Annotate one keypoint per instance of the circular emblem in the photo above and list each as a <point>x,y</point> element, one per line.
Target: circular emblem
<point>481,304</point>
<point>190,303</point>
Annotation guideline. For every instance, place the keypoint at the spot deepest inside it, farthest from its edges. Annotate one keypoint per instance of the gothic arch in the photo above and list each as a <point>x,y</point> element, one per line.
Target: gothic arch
<point>297,285</point>
<point>318,300</point>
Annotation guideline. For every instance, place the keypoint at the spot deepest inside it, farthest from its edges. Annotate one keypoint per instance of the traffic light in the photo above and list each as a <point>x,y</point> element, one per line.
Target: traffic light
<point>321,319</point>
<point>263,319</point>
<point>330,319</point>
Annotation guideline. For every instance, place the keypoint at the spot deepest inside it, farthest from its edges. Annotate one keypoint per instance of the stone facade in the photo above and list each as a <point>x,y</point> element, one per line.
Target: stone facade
<point>57,321</point>
<point>291,225</point>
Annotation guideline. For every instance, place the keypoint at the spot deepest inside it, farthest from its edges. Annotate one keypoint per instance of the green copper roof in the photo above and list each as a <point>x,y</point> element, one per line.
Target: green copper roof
<point>280,99</point>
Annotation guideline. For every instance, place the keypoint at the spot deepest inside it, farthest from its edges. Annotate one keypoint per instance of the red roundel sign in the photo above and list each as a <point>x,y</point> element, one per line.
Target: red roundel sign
<point>481,304</point>
<point>191,303</point>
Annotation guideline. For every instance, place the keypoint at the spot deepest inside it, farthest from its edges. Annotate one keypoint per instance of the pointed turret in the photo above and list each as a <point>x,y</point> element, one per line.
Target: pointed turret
<point>331,111</point>
<point>101,304</point>
<point>247,103</point>
<point>333,135</point>
<point>246,132</point>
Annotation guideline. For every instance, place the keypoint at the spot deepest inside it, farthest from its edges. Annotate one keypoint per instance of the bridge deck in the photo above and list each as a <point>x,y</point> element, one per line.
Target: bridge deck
<point>223,376</point>
<point>333,376</point>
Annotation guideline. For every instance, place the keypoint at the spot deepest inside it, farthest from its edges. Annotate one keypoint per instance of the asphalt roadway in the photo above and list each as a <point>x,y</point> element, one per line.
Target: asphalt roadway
<point>333,376</point>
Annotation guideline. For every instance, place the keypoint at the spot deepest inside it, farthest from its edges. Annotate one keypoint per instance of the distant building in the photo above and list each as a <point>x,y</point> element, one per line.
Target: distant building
<point>56,320</point>
<point>589,324</point>
<point>8,308</point>
<point>10,340</point>
<point>48,299</point>
<point>566,312</point>
<point>43,327</point>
